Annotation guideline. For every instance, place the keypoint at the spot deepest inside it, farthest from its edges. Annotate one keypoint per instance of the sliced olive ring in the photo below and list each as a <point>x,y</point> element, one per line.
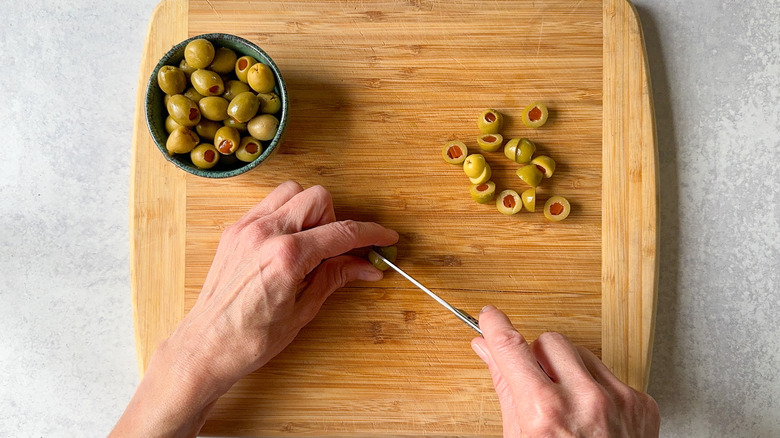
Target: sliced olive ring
<point>529,199</point>
<point>535,115</point>
<point>490,142</point>
<point>455,152</point>
<point>474,165</point>
<point>557,208</point>
<point>508,202</point>
<point>484,192</point>
<point>530,175</point>
<point>545,164</point>
<point>388,252</point>
<point>490,121</point>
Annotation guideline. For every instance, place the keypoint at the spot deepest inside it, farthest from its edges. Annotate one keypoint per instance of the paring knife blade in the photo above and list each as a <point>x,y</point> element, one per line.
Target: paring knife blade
<point>463,316</point>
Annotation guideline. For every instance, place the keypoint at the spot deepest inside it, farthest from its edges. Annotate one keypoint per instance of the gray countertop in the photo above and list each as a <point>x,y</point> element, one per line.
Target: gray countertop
<point>68,81</point>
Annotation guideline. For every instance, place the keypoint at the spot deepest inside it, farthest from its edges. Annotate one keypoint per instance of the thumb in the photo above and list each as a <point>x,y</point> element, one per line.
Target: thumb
<point>505,398</point>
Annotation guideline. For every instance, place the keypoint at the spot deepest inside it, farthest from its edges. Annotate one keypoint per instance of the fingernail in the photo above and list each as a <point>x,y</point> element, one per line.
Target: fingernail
<point>371,274</point>
<point>487,308</point>
<point>477,349</point>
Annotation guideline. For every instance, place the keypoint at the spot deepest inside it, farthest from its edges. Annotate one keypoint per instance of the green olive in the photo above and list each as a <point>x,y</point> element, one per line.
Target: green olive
<point>545,164</point>
<point>181,141</point>
<point>199,53</point>
<point>270,103</point>
<point>170,124</point>
<point>249,149</point>
<point>241,127</point>
<point>207,129</point>
<point>529,199</point>
<point>214,108</point>
<point>207,83</point>
<point>183,110</point>
<point>490,121</point>
<point>557,208</point>
<point>242,67</point>
<point>186,68</point>
<point>263,127</point>
<point>204,156</point>
<point>510,148</point>
<point>227,140</point>
<point>233,88</point>
<point>525,151</point>
<point>224,61</point>
<point>474,165</point>
<point>530,175</point>
<point>535,115</point>
<point>482,177</point>
<point>455,152</point>
<point>261,78</point>
<point>193,94</point>
<point>484,192</point>
<point>243,107</point>
<point>388,252</point>
<point>508,202</point>
<point>171,79</point>
<point>490,142</point>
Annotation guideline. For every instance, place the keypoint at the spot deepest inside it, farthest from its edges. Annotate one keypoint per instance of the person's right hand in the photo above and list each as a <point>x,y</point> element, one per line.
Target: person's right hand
<point>551,388</point>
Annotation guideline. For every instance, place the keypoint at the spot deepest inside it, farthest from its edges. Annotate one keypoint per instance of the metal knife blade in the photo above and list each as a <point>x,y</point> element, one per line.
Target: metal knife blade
<point>462,315</point>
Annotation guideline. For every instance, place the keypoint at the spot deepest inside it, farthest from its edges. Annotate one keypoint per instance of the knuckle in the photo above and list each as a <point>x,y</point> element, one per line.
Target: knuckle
<point>507,340</point>
<point>348,228</point>
<point>286,251</point>
<point>552,338</point>
<point>321,192</point>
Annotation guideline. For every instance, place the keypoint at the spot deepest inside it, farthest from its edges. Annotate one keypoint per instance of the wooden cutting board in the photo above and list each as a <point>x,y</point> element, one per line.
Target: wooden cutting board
<point>376,88</point>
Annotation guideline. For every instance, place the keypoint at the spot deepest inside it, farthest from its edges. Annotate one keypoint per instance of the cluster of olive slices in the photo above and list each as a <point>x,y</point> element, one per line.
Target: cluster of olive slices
<point>532,169</point>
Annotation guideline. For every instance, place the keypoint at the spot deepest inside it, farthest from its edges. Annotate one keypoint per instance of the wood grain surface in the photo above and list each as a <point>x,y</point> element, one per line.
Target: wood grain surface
<point>376,88</point>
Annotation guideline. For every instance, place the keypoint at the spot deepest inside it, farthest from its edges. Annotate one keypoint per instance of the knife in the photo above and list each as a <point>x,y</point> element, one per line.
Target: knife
<point>463,316</point>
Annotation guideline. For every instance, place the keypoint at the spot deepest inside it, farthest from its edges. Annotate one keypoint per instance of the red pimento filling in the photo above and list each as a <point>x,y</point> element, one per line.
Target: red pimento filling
<point>535,114</point>
<point>490,117</point>
<point>509,201</point>
<point>454,152</point>
<point>251,148</point>
<point>556,209</point>
<point>242,64</point>
<point>209,156</point>
<point>482,187</point>
<point>489,138</point>
<point>193,113</point>
<point>214,89</point>
<point>225,146</point>
<point>541,169</point>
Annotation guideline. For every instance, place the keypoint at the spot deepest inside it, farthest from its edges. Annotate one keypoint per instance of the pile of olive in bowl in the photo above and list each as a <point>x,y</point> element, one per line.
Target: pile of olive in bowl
<point>216,105</point>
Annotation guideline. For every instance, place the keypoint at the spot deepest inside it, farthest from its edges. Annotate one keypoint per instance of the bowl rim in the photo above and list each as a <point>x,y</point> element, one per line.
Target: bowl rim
<point>280,89</point>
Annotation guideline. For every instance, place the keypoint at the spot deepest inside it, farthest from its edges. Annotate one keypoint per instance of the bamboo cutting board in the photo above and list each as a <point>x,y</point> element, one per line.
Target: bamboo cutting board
<point>376,88</point>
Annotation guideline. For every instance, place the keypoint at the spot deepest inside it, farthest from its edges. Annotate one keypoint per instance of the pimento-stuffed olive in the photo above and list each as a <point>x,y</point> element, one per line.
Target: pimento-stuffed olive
<point>455,152</point>
<point>242,67</point>
<point>530,175</point>
<point>388,252</point>
<point>263,127</point>
<point>261,78</point>
<point>199,53</point>
<point>483,177</point>
<point>490,121</point>
<point>490,142</point>
<point>181,141</point>
<point>535,115</point>
<point>249,149</point>
<point>184,111</point>
<point>484,192</point>
<point>474,165</point>
<point>545,164</point>
<point>508,202</point>
<point>557,208</point>
<point>224,61</point>
<point>227,140</point>
<point>207,82</point>
<point>529,199</point>
<point>171,79</point>
<point>204,156</point>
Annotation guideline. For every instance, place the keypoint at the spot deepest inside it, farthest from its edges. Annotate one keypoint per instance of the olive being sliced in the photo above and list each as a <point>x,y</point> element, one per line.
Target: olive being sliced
<point>474,165</point>
<point>490,121</point>
<point>388,252</point>
<point>454,152</point>
<point>482,177</point>
<point>490,142</point>
<point>525,151</point>
<point>535,115</point>
<point>249,149</point>
<point>545,164</point>
<point>557,208</point>
<point>508,202</point>
<point>484,192</point>
<point>529,199</point>
<point>204,156</point>
<point>530,175</point>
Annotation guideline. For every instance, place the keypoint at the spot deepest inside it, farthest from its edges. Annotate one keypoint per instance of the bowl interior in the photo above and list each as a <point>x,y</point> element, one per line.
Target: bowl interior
<point>156,112</point>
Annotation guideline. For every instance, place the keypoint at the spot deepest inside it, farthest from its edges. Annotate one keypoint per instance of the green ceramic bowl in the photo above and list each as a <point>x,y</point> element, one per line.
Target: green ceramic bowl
<point>156,112</point>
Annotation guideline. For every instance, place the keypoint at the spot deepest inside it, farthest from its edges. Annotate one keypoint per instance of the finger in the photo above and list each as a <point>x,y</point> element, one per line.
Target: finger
<point>330,275</point>
<point>598,370</point>
<point>505,398</point>
<point>336,238</point>
<point>511,352</point>
<point>278,197</point>
<point>307,209</point>
<point>560,360</point>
